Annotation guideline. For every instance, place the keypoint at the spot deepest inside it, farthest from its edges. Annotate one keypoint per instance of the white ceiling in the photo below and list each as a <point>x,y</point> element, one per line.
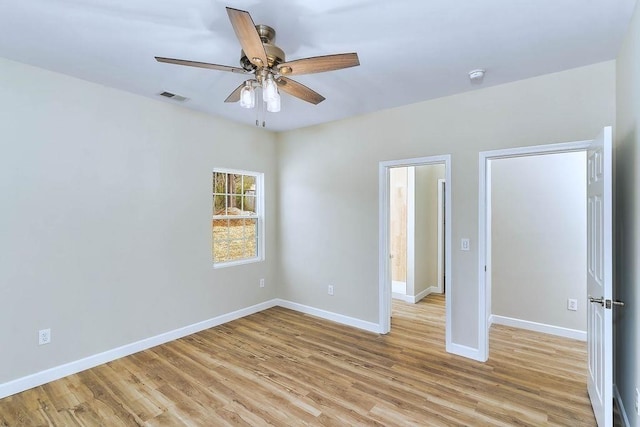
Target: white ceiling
<point>410,50</point>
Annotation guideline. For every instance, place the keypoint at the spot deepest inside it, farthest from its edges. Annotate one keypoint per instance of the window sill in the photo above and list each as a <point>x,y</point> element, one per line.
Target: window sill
<point>218,265</point>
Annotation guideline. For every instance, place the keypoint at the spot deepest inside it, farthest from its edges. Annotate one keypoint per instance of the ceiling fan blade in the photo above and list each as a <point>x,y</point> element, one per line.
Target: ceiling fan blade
<point>235,95</point>
<point>319,64</point>
<point>201,65</point>
<point>299,90</point>
<point>248,36</point>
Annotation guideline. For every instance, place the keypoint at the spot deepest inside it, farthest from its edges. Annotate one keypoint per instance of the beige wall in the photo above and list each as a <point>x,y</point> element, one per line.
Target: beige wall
<point>331,171</point>
<point>627,219</point>
<point>106,215</point>
<point>538,238</point>
<point>106,207</point>
<point>426,226</point>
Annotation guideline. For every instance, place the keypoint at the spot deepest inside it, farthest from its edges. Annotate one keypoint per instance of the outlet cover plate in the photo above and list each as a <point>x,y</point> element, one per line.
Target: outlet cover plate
<point>572,304</point>
<point>44,336</point>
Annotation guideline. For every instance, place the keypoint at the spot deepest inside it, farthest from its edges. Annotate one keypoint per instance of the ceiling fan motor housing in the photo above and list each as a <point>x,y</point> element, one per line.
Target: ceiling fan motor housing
<point>275,55</point>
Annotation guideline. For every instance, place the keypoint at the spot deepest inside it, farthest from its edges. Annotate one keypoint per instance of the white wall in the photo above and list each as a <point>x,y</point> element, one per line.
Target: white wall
<point>105,218</point>
<point>627,219</point>
<point>538,238</point>
<point>426,226</point>
<point>330,172</point>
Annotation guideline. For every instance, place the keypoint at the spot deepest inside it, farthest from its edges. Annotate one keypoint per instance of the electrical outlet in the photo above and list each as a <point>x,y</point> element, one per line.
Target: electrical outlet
<point>330,290</point>
<point>44,336</point>
<point>262,283</point>
<point>465,244</point>
<point>572,304</point>
<point>637,401</point>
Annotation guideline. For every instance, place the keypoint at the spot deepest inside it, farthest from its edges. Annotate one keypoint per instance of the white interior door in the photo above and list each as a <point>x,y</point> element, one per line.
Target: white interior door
<point>599,277</point>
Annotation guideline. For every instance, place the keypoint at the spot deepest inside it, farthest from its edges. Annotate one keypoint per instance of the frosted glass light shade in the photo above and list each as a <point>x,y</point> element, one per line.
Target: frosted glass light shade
<point>273,106</point>
<point>247,97</point>
<point>269,89</point>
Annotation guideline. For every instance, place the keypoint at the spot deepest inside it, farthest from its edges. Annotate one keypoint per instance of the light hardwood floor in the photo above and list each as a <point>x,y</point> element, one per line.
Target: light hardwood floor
<point>281,368</point>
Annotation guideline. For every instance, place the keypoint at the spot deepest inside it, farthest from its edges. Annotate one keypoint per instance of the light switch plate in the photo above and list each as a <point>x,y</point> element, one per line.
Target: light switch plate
<point>465,244</point>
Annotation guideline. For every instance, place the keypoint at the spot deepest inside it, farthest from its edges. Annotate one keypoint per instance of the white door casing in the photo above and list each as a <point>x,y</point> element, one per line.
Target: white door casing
<point>599,261</point>
<point>441,234</point>
<point>599,277</point>
<point>484,226</point>
<point>384,266</point>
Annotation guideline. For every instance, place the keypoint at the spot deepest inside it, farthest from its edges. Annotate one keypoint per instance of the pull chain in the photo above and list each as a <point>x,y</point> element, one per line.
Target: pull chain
<point>260,112</point>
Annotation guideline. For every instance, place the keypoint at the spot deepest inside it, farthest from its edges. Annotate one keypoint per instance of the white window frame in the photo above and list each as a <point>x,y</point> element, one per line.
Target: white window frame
<point>259,217</point>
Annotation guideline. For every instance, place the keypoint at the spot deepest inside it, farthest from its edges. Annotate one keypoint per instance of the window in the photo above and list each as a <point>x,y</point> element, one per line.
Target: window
<point>237,217</point>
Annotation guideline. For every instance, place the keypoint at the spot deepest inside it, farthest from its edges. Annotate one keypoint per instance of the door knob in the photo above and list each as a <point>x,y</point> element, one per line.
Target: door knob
<point>605,303</point>
<point>616,303</point>
<point>596,300</point>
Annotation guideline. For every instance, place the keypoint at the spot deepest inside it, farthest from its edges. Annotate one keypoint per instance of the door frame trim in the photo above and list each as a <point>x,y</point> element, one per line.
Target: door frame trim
<point>410,252</point>
<point>441,223</point>
<point>384,270</point>
<point>484,225</point>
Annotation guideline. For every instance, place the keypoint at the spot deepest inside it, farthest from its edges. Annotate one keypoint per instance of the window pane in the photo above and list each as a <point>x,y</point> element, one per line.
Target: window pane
<point>251,237</point>
<point>249,183</point>
<point>220,230</point>
<point>221,252</point>
<point>219,205</point>
<point>237,183</point>
<point>249,250</point>
<point>237,204</point>
<point>236,249</point>
<point>249,203</point>
<point>219,182</point>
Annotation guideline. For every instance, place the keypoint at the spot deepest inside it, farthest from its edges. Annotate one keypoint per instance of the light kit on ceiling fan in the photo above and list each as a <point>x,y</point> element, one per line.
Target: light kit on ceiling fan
<point>266,61</point>
<point>247,95</point>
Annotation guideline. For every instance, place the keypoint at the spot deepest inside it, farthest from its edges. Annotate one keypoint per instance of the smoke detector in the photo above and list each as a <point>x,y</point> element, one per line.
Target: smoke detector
<point>476,75</point>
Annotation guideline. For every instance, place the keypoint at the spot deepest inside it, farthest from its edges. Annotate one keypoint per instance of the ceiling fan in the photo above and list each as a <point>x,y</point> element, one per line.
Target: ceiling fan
<point>266,62</point>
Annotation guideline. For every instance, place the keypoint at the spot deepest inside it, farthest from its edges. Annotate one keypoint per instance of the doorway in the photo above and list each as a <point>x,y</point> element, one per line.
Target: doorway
<point>599,190</point>
<point>416,227</point>
<point>537,243</point>
<point>485,231</point>
<point>385,254</point>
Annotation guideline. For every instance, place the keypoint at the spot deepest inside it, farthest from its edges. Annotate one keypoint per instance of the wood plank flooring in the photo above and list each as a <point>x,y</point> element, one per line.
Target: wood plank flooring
<point>279,367</point>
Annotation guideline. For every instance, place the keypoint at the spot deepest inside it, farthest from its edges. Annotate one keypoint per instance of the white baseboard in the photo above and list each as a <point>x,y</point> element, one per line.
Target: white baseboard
<point>52,374</point>
<point>401,297</point>
<point>538,327</point>
<point>57,372</point>
<point>34,380</point>
<point>623,412</point>
<point>414,299</point>
<point>328,315</point>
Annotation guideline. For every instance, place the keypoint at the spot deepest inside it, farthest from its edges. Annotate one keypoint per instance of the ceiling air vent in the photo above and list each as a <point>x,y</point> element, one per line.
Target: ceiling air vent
<point>173,96</point>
